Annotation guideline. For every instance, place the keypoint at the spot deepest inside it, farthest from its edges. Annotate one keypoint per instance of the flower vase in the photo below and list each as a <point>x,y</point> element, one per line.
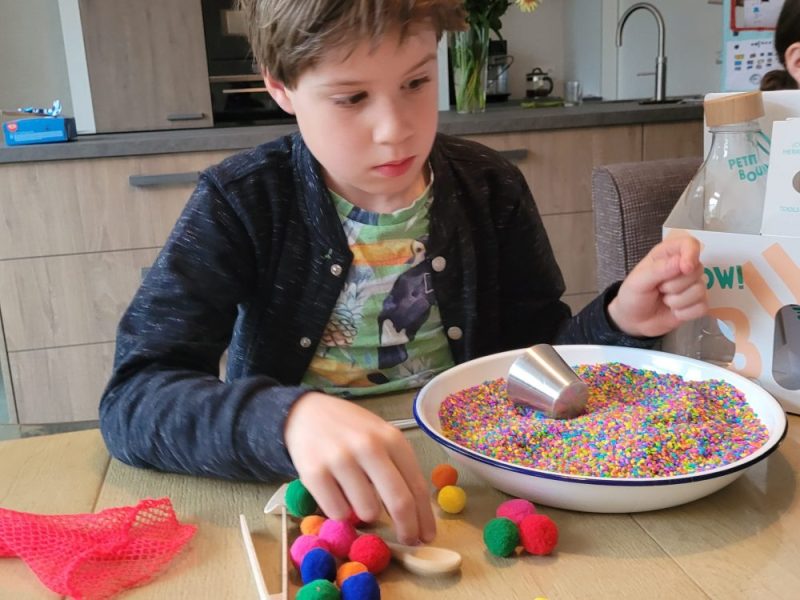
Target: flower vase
<point>470,58</point>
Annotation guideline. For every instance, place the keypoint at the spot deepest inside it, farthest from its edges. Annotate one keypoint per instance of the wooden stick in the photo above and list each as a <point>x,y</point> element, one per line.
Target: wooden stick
<point>252,559</point>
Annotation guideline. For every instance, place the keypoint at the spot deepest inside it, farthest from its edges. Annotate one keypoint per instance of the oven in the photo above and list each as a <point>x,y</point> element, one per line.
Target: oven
<point>238,95</point>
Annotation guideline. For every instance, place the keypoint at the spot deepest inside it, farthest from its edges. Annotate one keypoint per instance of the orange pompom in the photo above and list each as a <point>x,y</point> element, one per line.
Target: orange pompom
<point>443,475</point>
<point>311,524</point>
<point>347,569</point>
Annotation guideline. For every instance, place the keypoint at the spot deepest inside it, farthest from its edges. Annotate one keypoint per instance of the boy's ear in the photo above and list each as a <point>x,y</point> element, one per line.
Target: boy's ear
<point>277,90</point>
<point>792,60</point>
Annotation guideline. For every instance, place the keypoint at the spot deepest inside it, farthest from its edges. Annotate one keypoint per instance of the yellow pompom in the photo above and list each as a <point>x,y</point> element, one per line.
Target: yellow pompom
<point>452,499</point>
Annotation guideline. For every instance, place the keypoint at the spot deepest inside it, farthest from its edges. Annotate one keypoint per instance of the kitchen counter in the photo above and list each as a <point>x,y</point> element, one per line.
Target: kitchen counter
<point>740,542</point>
<point>505,118</point>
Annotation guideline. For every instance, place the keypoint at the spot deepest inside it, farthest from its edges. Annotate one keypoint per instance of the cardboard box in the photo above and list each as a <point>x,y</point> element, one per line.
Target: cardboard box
<point>39,130</point>
<point>782,202</point>
<point>753,284</point>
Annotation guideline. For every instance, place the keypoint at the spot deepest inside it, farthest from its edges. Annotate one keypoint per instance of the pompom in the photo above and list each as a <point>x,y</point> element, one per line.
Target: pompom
<point>299,501</point>
<point>303,545</point>
<point>340,535</point>
<point>501,536</point>
<point>539,534</point>
<point>516,509</point>
<point>452,499</point>
<point>443,475</point>
<point>321,589</point>
<point>371,551</point>
<point>361,586</point>
<point>349,569</point>
<point>310,525</point>
<point>355,521</point>
<point>318,564</point>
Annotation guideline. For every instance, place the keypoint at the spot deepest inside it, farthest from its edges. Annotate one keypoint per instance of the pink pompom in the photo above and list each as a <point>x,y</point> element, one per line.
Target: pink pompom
<point>372,552</point>
<point>303,545</point>
<point>339,535</point>
<point>515,510</point>
<point>538,533</point>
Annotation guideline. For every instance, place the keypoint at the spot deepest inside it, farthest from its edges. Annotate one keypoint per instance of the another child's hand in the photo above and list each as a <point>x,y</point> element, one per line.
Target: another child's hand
<point>665,289</point>
<point>351,460</point>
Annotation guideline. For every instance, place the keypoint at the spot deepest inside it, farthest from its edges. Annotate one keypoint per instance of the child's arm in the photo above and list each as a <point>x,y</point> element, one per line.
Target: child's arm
<point>165,406</point>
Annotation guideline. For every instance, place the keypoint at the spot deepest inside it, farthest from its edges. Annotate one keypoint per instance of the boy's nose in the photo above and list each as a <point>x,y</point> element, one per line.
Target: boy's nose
<point>392,124</point>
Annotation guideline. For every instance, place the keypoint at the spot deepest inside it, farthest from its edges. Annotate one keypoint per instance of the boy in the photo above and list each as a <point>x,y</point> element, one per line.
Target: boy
<point>363,255</point>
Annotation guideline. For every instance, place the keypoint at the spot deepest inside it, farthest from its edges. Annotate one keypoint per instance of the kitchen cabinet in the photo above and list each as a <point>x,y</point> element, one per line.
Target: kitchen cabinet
<point>146,62</point>
<point>558,167</point>
<point>75,241</point>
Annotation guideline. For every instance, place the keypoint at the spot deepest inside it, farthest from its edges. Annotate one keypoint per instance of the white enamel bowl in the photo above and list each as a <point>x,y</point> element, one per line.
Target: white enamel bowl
<point>597,494</point>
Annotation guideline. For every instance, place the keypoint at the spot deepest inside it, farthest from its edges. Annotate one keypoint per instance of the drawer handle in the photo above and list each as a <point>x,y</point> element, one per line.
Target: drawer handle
<point>164,179</point>
<point>251,90</point>
<point>514,155</point>
<point>186,116</point>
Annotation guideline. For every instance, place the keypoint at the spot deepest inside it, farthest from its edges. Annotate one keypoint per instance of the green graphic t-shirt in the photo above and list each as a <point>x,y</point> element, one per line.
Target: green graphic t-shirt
<point>385,333</point>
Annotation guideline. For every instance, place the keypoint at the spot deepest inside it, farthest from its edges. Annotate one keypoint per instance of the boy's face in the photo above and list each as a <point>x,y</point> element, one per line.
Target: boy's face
<point>370,117</point>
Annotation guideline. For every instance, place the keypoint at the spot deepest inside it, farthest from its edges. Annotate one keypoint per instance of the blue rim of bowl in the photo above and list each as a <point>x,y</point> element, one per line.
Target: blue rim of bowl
<point>630,482</point>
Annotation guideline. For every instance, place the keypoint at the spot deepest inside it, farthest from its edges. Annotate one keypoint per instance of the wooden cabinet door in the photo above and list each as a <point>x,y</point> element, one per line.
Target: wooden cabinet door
<point>147,64</point>
<point>558,168</point>
<point>94,205</point>
<point>672,140</point>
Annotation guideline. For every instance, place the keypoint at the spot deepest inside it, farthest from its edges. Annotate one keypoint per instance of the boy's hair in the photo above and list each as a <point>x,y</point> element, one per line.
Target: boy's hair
<point>290,36</point>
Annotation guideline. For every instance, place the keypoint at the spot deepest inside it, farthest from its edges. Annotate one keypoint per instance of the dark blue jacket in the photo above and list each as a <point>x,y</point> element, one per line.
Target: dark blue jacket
<point>255,264</point>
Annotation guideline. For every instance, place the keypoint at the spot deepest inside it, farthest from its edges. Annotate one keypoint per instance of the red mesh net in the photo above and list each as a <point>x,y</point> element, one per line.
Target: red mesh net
<point>94,556</point>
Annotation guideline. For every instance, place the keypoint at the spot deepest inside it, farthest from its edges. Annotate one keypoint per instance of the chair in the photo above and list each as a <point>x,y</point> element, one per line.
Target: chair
<point>631,201</point>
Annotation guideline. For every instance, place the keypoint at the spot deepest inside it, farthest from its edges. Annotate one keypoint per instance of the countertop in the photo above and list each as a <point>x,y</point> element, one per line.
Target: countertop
<point>740,542</point>
<point>498,118</point>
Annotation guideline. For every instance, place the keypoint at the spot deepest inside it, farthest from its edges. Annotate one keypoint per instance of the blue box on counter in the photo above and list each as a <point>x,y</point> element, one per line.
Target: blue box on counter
<point>39,130</point>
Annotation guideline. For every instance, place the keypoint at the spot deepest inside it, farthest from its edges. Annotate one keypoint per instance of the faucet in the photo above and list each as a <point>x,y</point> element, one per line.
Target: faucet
<point>661,60</point>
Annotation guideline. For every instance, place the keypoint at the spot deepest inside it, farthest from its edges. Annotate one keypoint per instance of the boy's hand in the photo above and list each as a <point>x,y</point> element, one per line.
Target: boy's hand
<point>665,289</point>
<point>351,460</point>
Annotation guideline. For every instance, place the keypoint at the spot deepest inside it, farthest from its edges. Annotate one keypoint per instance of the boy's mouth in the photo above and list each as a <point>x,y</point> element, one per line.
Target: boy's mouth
<point>396,167</point>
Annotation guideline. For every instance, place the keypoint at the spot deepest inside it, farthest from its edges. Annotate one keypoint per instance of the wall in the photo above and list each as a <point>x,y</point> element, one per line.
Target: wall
<point>535,40</point>
<point>33,71</point>
<point>570,39</point>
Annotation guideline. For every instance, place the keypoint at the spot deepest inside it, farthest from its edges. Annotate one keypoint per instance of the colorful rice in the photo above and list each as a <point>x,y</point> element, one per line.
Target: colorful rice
<point>637,423</point>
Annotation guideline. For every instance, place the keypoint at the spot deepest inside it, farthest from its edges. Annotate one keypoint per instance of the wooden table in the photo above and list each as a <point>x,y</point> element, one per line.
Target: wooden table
<point>742,542</point>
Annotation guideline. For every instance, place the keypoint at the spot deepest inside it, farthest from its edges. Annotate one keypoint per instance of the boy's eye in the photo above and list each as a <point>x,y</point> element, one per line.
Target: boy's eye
<point>415,84</point>
<point>349,100</point>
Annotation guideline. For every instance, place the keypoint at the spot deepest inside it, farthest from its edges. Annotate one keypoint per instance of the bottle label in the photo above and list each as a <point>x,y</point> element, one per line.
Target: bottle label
<point>747,167</point>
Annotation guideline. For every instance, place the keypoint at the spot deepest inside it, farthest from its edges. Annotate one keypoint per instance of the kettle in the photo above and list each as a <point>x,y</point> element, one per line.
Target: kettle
<point>538,84</point>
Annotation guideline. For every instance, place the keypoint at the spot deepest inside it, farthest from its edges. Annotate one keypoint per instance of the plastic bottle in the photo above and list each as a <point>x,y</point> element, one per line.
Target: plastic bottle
<point>727,194</point>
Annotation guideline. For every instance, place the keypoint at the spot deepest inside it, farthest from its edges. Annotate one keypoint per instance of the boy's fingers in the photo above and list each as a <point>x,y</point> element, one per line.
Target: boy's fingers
<point>358,491</point>
<point>678,284</point>
<point>695,294</point>
<point>326,491</point>
<point>407,463</point>
<point>668,260</point>
<point>396,497</point>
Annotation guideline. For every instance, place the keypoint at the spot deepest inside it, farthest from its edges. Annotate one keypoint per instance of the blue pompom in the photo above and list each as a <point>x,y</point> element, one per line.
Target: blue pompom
<point>318,564</point>
<point>361,586</point>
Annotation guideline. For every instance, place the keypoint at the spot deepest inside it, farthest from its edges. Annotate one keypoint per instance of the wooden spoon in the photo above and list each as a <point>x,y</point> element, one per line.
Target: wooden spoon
<point>425,560</point>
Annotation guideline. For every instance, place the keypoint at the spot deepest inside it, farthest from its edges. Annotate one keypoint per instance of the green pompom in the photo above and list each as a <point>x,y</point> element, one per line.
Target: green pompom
<point>319,589</point>
<point>501,536</point>
<point>299,502</point>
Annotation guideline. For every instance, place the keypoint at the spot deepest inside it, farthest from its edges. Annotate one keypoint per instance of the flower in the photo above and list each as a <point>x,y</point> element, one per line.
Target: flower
<point>487,13</point>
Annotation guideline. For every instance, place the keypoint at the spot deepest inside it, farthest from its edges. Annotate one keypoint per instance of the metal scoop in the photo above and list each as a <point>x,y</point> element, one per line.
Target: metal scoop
<point>540,378</point>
